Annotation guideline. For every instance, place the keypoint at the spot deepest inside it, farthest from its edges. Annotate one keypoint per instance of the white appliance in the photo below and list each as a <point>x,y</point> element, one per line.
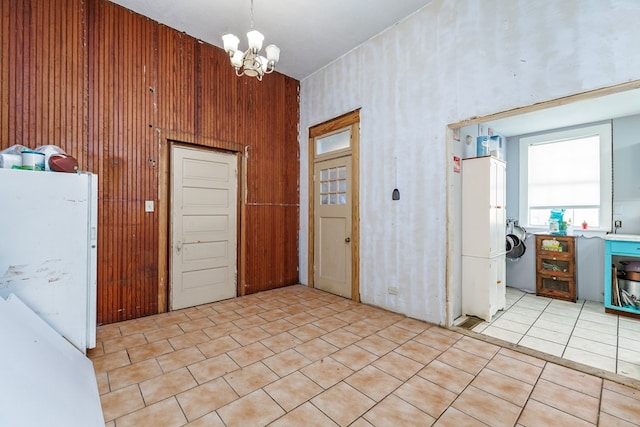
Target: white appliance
<point>48,248</point>
<point>483,237</point>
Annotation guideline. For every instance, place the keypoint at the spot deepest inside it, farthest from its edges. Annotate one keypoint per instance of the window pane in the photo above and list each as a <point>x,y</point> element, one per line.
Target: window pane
<point>332,199</point>
<point>590,216</point>
<point>342,185</point>
<point>342,172</point>
<point>337,141</point>
<point>568,169</point>
<point>324,200</point>
<point>342,199</point>
<point>565,173</point>
<point>563,194</point>
<point>324,187</point>
<point>540,217</point>
<point>324,174</point>
<point>333,173</point>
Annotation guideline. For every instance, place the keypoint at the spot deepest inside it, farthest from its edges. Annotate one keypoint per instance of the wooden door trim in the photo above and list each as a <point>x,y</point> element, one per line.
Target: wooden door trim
<point>167,140</point>
<point>351,119</point>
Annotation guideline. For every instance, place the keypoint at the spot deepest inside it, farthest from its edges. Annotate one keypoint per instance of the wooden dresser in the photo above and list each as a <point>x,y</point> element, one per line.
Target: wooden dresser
<point>556,266</point>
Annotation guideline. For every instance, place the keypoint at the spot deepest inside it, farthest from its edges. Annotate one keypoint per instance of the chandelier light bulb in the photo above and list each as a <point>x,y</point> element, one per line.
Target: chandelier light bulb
<point>255,39</point>
<point>263,63</point>
<point>273,53</point>
<point>237,59</point>
<point>230,43</point>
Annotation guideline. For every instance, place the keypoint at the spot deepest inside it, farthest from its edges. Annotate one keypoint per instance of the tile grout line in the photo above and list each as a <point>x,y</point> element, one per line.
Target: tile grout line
<point>533,387</point>
<point>426,379</point>
<point>534,322</point>
<point>531,326</point>
<point>351,375</point>
<point>615,359</point>
<point>573,391</point>
<point>573,329</point>
<point>617,343</point>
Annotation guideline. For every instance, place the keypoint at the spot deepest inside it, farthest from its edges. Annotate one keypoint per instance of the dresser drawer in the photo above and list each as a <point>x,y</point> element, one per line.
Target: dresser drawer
<point>556,287</point>
<point>628,248</point>
<point>555,265</point>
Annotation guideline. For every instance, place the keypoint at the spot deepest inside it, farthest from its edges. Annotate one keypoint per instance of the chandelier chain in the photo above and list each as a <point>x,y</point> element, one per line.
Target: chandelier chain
<point>252,14</point>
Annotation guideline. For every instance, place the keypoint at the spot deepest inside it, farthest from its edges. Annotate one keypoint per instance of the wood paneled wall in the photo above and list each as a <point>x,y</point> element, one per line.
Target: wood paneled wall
<point>44,75</point>
<point>104,84</point>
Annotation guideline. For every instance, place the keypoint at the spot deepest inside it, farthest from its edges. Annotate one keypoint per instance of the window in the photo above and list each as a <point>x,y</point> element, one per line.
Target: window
<point>571,170</point>
<point>333,186</point>
<point>333,142</point>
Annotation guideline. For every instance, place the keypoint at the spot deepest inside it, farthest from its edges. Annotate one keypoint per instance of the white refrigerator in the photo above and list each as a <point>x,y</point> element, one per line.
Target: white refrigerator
<point>48,248</point>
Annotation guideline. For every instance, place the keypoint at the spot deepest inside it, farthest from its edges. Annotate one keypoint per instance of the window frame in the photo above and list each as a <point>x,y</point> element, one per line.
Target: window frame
<point>604,130</point>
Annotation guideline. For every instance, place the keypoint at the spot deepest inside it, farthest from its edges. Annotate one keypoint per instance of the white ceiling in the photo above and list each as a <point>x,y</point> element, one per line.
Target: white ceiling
<point>310,34</point>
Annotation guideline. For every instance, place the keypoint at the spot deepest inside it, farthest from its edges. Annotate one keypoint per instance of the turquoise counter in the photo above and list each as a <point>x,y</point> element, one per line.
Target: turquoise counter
<point>619,248</point>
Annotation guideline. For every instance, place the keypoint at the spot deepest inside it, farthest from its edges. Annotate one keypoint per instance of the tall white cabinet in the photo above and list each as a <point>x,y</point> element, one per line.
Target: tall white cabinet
<point>483,237</point>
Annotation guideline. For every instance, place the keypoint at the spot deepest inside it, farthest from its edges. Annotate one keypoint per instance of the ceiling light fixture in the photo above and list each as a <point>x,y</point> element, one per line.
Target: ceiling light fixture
<point>251,63</point>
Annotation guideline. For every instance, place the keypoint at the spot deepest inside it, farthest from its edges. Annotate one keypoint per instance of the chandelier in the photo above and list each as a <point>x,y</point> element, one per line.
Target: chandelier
<point>251,63</point>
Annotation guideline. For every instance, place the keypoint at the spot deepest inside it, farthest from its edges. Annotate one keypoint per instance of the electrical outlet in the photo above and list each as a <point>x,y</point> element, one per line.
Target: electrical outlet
<point>617,224</point>
<point>393,290</point>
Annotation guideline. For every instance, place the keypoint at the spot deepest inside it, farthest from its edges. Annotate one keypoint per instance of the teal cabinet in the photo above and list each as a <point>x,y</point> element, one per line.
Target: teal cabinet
<point>616,253</point>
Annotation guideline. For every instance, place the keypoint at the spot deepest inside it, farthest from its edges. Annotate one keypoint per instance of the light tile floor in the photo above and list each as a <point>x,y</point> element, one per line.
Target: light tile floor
<point>581,332</point>
<point>301,357</point>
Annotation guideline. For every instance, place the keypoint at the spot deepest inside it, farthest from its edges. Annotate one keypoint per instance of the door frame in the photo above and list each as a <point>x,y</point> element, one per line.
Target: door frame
<point>352,120</point>
<point>167,140</point>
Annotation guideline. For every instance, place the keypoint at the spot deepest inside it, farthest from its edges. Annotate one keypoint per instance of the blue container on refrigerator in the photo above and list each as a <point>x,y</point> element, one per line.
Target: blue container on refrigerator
<point>482,146</point>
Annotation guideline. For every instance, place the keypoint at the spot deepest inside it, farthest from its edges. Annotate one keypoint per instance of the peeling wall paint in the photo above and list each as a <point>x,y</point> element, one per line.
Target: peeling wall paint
<point>451,61</point>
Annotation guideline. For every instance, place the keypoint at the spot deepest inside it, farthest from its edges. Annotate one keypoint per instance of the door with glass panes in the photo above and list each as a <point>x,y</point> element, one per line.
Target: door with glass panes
<point>332,226</point>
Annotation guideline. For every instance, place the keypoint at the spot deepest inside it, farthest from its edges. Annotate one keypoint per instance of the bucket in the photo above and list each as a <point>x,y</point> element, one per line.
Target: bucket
<point>32,160</point>
<point>632,290</point>
<point>9,160</point>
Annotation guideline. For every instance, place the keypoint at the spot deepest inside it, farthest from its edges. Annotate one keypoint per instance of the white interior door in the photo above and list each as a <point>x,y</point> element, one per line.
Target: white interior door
<point>332,226</point>
<point>203,227</point>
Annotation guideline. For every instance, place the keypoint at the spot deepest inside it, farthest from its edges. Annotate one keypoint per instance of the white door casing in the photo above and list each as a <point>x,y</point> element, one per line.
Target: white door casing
<point>203,227</point>
<point>332,223</point>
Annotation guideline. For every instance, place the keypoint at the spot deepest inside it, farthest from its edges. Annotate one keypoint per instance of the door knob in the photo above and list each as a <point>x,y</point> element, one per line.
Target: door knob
<point>347,240</point>
<point>179,246</point>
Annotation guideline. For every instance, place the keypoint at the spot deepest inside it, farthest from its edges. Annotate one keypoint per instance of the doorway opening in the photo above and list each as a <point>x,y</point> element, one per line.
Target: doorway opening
<point>574,332</point>
<point>596,106</point>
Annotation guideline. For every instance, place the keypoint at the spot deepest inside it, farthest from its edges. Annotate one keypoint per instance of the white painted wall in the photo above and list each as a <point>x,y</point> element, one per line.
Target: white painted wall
<point>450,61</point>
